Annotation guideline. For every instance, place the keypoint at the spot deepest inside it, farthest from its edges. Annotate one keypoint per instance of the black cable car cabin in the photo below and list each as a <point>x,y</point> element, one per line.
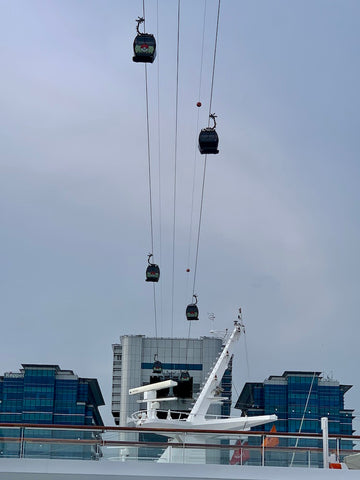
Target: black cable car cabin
<point>144,45</point>
<point>184,388</point>
<point>208,141</point>
<point>208,138</point>
<point>144,48</point>
<point>157,366</point>
<point>152,271</point>
<point>192,312</point>
<point>185,376</point>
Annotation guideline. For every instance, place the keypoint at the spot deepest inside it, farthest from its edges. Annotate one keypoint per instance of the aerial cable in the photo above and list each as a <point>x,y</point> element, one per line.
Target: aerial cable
<point>148,144</point>
<point>196,148</point>
<point>237,394</point>
<point>247,357</point>
<point>199,225</point>
<point>245,343</point>
<point>202,50</point>
<point>187,347</point>
<point>194,172</point>
<point>150,195</point>
<point>149,160</point>
<point>175,166</point>
<point>214,59</point>
<point>155,320</point>
<point>159,160</point>
<point>205,162</point>
<point>149,177</point>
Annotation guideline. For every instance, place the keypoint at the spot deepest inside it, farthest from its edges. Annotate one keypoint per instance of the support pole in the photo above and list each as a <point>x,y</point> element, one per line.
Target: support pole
<point>325,434</point>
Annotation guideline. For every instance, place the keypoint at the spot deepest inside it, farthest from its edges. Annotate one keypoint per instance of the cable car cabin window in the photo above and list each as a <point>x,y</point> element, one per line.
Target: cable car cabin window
<point>144,48</point>
<point>208,141</point>
<point>192,312</point>
<point>152,273</point>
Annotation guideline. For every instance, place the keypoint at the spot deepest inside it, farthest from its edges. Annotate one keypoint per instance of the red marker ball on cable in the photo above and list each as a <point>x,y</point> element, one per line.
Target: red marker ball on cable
<point>198,104</point>
<point>188,269</point>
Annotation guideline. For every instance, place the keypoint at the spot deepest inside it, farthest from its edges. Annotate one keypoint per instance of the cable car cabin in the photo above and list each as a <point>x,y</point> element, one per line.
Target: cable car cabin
<point>164,392</point>
<point>208,141</point>
<point>192,312</point>
<point>157,367</point>
<point>184,377</point>
<point>152,273</point>
<point>144,48</point>
<point>184,388</point>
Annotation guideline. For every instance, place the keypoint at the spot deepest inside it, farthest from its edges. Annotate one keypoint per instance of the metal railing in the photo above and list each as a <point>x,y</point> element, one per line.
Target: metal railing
<point>191,446</point>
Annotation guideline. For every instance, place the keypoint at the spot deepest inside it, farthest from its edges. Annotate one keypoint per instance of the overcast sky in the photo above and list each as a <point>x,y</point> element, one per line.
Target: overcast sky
<point>280,229</point>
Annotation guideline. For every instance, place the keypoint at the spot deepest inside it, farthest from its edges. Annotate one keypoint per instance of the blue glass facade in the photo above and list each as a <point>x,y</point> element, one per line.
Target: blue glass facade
<point>299,399</point>
<point>45,394</point>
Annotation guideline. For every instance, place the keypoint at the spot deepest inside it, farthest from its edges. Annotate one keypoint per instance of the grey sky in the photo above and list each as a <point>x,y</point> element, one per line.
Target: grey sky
<point>280,231</point>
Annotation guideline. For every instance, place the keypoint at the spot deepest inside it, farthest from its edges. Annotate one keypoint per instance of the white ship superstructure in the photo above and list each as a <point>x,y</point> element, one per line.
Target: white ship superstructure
<point>209,394</point>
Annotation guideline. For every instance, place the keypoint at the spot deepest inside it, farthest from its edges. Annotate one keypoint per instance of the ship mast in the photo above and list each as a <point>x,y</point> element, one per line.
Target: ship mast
<point>210,392</point>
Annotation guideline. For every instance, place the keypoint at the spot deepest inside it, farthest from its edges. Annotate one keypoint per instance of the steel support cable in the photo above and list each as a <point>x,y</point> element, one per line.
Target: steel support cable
<point>159,160</point>
<point>196,147</point>
<point>303,417</point>
<point>150,190</point>
<point>187,346</point>
<point>175,167</point>
<point>199,225</point>
<point>156,329</point>
<point>214,60</point>
<point>148,147</point>
<point>192,203</point>
<point>247,367</point>
<point>149,176</point>
<point>202,50</point>
<point>205,162</point>
<point>149,160</point>
<point>247,357</point>
<point>194,171</point>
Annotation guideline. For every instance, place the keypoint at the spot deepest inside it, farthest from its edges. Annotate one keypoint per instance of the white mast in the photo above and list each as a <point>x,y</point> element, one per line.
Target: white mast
<point>211,389</point>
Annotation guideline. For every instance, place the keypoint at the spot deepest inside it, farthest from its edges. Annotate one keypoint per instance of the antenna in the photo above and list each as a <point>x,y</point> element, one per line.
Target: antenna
<point>240,320</point>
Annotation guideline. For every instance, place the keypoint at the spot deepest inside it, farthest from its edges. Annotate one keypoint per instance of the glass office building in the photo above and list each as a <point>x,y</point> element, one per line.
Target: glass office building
<point>45,394</point>
<point>299,399</point>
